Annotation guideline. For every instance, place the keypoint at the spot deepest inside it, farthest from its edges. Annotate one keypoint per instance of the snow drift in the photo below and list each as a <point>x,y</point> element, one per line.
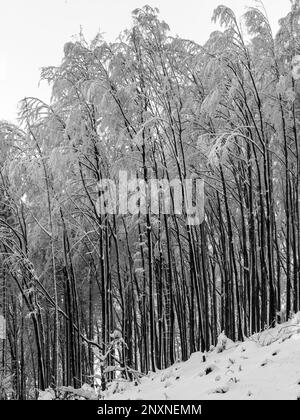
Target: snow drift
<point>265,366</point>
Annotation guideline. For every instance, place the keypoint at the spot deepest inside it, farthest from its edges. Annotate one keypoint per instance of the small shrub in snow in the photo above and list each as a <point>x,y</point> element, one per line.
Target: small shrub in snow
<point>221,344</point>
<point>86,392</point>
<point>166,375</point>
<point>234,379</point>
<point>221,389</point>
<point>210,368</point>
<point>117,387</point>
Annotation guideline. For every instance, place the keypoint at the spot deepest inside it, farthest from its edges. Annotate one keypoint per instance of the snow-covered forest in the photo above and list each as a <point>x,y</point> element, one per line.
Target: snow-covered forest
<point>91,299</point>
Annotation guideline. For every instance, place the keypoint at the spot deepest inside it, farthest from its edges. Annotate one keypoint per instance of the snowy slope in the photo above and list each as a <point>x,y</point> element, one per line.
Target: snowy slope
<point>266,366</point>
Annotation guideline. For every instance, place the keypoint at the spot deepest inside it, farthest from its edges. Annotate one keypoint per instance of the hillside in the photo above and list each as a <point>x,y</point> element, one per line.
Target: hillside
<point>265,366</point>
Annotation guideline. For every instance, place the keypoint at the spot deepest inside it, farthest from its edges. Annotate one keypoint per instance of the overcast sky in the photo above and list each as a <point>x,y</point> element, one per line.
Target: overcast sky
<point>33,32</point>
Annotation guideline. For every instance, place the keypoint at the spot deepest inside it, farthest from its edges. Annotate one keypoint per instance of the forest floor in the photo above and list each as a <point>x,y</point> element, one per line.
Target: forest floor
<point>265,366</point>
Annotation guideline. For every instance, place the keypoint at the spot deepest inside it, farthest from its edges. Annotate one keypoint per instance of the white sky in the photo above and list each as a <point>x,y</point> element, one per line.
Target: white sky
<point>33,32</point>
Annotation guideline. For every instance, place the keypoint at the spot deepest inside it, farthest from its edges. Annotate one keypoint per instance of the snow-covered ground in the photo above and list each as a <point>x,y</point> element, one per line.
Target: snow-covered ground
<point>266,366</point>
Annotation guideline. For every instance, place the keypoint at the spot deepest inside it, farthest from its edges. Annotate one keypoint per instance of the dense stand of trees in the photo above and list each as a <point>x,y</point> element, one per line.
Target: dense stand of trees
<point>83,291</point>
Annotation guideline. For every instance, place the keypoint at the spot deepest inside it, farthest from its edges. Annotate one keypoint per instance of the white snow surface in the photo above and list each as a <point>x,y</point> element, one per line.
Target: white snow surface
<point>264,367</point>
